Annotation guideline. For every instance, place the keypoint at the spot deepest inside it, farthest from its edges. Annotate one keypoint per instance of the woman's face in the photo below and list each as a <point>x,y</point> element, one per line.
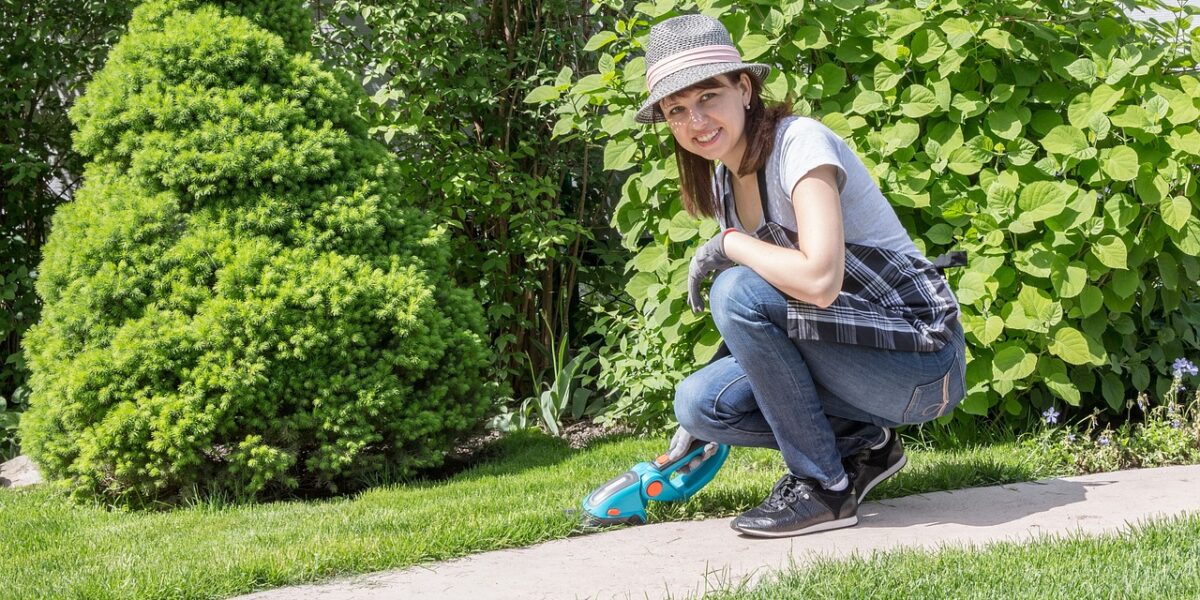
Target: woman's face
<point>709,121</point>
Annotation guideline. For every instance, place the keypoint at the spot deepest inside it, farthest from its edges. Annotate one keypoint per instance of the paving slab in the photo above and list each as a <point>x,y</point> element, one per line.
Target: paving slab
<point>690,558</point>
<point>19,472</point>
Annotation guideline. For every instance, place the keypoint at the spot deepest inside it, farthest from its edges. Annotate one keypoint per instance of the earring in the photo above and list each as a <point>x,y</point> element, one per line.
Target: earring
<point>747,106</point>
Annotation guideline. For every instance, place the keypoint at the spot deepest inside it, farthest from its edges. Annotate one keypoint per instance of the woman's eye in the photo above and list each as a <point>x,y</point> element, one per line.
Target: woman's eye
<point>707,96</point>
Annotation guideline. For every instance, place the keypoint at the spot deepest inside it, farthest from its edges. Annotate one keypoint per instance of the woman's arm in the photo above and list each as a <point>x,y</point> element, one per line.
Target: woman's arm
<point>813,273</point>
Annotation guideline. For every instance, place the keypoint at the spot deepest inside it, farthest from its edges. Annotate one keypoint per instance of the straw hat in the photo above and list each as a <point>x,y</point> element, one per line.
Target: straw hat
<point>683,51</point>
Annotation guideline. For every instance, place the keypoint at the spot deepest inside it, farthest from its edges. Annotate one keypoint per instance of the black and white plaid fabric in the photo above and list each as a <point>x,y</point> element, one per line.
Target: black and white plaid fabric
<point>888,300</point>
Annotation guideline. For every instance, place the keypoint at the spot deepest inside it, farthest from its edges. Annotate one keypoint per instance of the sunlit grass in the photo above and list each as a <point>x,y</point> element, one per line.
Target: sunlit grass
<point>1152,560</point>
<point>529,491</point>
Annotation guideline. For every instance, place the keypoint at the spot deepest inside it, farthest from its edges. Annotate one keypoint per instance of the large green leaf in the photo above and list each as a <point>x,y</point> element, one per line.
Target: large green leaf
<point>901,134</point>
<point>827,80</point>
<point>1065,140</point>
<point>639,284</point>
<point>1068,279</point>
<point>1188,238</point>
<point>1021,151</point>
<point>810,37</point>
<point>917,101</point>
<point>542,93</point>
<point>1054,375</point>
<point>1013,362</point>
<point>867,102</point>
<point>1120,163</point>
<point>1111,251</point>
<point>651,258</point>
<point>753,46</point>
<point>959,31</point>
<point>600,40</point>
<point>682,227</point>
<point>969,104</point>
<point>1083,70</point>
<point>1124,283</point>
<point>1041,200</point>
<point>1000,40</point>
<point>902,22</point>
<point>1182,106</point>
<point>1090,300</point>
<point>618,154</point>
<point>1113,390</point>
<point>887,75</point>
<point>1176,211</point>
<point>1104,97</point>
<point>927,46</point>
<point>1135,117</point>
<point>1076,347</point>
<point>1004,123</point>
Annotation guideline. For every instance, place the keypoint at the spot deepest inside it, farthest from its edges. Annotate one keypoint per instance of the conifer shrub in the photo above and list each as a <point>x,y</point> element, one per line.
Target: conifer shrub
<point>237,300</point>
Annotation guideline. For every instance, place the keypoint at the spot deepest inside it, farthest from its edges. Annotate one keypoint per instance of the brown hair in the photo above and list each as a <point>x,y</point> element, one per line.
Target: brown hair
<point>696,172</point>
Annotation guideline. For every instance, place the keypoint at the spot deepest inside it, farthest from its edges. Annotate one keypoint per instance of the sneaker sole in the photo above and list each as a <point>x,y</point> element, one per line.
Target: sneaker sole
<point>882,476</point>
<point>826,526</point>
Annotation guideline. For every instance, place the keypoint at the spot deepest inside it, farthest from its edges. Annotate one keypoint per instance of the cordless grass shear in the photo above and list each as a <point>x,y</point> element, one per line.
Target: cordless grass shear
<point>622,500</point>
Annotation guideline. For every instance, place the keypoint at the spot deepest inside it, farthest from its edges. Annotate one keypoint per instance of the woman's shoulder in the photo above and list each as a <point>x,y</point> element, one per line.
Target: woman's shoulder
<point>801,127</point>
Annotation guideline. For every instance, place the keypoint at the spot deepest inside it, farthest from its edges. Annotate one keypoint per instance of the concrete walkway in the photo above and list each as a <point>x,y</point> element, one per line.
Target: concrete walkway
<point>682,559</point>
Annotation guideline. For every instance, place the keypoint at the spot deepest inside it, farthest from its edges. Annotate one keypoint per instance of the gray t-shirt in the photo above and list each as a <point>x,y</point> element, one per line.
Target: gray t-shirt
<point>802,144</point>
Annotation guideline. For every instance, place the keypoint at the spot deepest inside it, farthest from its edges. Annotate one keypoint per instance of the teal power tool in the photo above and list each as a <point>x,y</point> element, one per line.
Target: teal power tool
<point>622,501</point>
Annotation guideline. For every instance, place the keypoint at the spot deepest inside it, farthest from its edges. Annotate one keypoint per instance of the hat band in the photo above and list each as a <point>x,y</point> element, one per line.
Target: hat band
<point>704,55</point>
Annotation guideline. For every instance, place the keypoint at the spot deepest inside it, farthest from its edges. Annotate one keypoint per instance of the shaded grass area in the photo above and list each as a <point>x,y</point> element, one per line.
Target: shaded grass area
<point>528,491</point>
<point>1150,560</point>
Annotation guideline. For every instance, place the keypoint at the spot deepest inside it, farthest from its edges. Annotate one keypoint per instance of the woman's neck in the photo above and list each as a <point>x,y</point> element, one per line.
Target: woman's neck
<point>733,160</point>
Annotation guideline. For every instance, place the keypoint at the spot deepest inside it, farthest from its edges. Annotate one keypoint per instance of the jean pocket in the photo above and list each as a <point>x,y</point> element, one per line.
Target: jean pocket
<point>936,398</point>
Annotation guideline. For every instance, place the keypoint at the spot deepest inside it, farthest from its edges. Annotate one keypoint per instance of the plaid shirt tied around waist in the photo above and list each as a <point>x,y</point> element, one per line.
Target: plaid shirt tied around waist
<point>888,300</point>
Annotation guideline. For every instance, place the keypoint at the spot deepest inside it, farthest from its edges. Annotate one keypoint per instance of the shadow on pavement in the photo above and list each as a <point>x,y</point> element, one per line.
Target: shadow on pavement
<point>977,507</point>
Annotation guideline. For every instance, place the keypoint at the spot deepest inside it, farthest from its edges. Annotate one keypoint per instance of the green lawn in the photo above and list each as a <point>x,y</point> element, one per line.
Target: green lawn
<point>1157,560</point>
<point>528,492</point>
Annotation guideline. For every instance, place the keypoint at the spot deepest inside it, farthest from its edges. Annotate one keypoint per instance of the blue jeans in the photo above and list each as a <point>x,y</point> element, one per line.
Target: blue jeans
<point>814,401</point>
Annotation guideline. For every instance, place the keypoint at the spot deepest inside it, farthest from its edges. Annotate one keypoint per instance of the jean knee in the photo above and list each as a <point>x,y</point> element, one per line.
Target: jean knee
<point>688,398</point>
<point>733,294</point>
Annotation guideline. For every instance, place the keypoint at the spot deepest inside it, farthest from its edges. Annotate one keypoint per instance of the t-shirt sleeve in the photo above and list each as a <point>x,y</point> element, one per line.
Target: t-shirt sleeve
<point>806,145</point>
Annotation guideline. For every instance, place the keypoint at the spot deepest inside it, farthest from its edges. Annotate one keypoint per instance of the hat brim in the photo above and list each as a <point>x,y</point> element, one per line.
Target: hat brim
<point>651,113</point>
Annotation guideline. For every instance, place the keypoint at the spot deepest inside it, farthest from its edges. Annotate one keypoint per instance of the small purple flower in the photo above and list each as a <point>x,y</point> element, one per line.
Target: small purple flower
<point>1071,437</point>
<point>1175,424</point>
<point>1183,365</point>
<point>1050,416</point>
<point>1104,441</point>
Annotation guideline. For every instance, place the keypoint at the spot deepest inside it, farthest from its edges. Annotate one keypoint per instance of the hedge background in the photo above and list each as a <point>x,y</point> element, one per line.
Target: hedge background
<point>1057,144</point>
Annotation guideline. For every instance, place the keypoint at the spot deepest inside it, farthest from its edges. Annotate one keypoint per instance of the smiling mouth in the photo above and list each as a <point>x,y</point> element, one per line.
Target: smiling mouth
<point>708,139</point>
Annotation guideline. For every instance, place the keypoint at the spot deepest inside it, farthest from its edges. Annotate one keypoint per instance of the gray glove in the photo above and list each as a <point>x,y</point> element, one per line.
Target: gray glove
<point>708,258</point>
<point>679,446</point>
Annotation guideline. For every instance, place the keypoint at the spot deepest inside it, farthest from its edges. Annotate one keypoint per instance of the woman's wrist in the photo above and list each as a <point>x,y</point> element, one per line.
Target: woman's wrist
<point>725,238</point>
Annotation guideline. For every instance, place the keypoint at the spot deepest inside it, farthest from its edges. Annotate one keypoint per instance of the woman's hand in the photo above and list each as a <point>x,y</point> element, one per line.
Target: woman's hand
<point>708,258</point>
<point>680,442</point>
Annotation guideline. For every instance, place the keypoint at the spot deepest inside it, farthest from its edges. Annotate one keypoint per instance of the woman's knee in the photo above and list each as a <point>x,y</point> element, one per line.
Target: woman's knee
<point>740,294</point>
<point>689,398</point>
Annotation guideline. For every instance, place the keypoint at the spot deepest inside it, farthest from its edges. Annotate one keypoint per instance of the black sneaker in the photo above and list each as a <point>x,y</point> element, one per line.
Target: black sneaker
<point>869,468</point>
<point>797,506</point>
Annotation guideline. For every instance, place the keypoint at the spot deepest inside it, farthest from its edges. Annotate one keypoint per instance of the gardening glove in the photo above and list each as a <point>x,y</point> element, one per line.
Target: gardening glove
<point>680,442</point>
<point>708,258</point>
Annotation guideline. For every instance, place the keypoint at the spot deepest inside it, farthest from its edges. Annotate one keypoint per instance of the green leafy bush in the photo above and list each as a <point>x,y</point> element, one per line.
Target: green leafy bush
<point>237,299</point>
<point>1056,143</point>
<point>446,83</point>
<point>56,47</point>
